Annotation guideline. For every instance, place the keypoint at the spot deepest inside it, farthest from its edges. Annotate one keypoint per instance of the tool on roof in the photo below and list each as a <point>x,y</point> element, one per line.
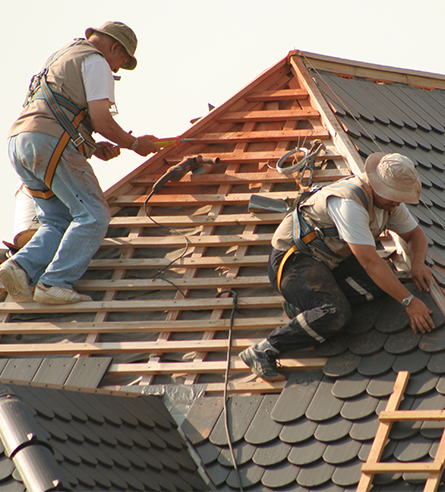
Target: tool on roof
<point>168,142</point>
<point>195,165</point>
<point>306,162</point>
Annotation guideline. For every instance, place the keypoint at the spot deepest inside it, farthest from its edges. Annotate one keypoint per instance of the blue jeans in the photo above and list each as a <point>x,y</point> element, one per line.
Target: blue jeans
<point>323,297</point>
<point>74,221</point>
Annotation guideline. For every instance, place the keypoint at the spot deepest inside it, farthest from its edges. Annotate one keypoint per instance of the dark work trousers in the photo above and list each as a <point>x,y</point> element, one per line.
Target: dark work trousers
<point>322,296</point>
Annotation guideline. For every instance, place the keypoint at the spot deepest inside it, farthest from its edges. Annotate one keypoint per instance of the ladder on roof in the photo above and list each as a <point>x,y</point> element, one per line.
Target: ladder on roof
<point>372,466</point>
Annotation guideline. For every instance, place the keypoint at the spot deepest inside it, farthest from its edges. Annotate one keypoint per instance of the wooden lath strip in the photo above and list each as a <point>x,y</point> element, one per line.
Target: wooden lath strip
<point>207,261</point>
<point>387,418</point>
<point>162,284</point>
<point>152,326</point>
<point>258,136</point>
<point>278,95</point>
<point>199,199</point>
<point>274,115</point>
<point>191,273</point>
<point>178,241</point>
<point>205,367</point>
<point>118,275</point>
<point>146,305</point>
<point>245,178</point>
<point>194,220</point>
<point>139,347</point>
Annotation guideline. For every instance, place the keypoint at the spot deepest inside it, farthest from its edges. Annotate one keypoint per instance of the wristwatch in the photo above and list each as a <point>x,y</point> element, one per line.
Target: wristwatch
<point>407,301</point>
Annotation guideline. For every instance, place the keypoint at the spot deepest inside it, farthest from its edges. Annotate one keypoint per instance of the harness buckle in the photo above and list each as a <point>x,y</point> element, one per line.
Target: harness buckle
<point>319,232</point>
<point>78,141</point>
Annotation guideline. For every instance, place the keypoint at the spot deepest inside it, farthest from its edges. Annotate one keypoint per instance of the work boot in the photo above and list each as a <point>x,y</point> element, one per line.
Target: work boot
<point>291,310</point>
<point>58,295</point>
<point>15,280</point>
<point>262,359</point>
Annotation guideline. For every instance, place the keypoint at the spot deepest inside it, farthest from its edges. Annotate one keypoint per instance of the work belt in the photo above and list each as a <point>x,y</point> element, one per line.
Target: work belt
<point>303,235</point>
<point>56,102</point>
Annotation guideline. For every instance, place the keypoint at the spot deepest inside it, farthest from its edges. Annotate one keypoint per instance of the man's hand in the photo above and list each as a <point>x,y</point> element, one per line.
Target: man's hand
<point>104,124</point>
<point>106,151</point>
<point>422,276</point>
<point>419,315</point>
<point>146,145</point>
<point>384,277</point>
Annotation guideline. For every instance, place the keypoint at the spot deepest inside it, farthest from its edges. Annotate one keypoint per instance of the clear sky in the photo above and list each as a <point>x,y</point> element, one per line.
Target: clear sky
<point>195,52</point>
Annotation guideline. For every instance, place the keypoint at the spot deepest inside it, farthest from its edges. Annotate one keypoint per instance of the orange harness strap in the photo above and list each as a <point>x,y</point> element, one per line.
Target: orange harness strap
<point>55,157</point>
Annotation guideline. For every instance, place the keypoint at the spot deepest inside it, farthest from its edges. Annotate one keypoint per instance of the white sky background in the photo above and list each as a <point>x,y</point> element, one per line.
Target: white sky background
<point>195,52</point>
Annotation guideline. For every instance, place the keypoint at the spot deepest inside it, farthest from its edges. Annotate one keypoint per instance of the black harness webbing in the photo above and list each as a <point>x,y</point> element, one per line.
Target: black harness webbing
<point>303,234</point>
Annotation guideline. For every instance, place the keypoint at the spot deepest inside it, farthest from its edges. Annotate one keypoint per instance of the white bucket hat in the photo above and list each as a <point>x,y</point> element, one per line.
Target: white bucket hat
<point>393,177</point>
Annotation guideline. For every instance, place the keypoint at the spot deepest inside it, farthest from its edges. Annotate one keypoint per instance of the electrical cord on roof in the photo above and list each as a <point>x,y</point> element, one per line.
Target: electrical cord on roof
<point>226,382</point>
<point>177,231</point>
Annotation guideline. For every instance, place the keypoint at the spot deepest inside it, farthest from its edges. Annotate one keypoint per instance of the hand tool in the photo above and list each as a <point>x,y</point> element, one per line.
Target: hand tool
<point>189,164</point>
<point>168,142</point>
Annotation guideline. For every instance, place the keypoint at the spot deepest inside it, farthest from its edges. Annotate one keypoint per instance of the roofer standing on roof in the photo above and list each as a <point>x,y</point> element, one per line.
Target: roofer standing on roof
<point>324,257</point>
<point>49,145</point>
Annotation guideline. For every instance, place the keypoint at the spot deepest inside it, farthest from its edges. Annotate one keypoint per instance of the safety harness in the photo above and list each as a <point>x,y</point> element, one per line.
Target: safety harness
<point>303,234</point>
<point>39,89</point>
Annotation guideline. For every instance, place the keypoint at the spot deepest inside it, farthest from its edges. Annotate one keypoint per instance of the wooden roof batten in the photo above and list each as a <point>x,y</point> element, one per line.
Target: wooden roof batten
<point>280,109</point>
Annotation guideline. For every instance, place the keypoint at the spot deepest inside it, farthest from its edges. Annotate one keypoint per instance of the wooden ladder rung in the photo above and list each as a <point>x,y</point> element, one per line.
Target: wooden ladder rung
<point>387,418</point>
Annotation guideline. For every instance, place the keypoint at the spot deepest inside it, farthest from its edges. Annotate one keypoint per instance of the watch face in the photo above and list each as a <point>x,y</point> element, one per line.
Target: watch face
<point>406,302</point>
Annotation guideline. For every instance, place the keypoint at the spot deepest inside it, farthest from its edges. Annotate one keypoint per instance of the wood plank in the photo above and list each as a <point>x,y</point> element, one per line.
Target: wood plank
<point>257,386</point>
<point>208,261</point>
<point>278,95</point>
<point>400,467</point>
<point>263,156</point>
<point>205,367</point>
<point>152,326</point>
<point>162,284</point>
<point>194,220</point>
<point>63,348</point>
<point>198,199</point>
<point>434,479</point>
<point>260,136</point>
<point>194,241</point>
<point>383,431</point>
<point>277,115</point>
<point>407,415</point>
<point>243,178</point>
<point>155,305</point>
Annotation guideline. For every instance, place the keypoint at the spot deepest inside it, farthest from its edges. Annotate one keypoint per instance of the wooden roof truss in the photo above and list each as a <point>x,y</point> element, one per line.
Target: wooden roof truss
<point>165,320</point>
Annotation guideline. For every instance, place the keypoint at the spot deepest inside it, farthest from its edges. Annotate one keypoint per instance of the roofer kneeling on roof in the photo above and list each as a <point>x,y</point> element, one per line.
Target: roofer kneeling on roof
<point>49,145</point>
<point>324,257</point>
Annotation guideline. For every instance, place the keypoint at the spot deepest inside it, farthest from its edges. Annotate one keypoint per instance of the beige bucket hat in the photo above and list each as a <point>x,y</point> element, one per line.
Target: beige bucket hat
<point>394,177</point>
<point>122,33</point>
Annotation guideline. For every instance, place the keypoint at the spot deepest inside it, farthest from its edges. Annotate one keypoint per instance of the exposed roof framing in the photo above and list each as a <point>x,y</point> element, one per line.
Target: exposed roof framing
<point>157,307</point>
<point>161,311</point>
<point>173,323</point>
